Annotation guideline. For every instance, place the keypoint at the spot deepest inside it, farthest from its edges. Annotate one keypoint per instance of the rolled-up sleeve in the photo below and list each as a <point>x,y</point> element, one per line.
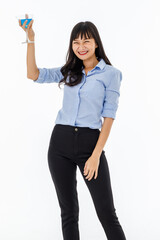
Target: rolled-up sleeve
<point>112,94</point>
<point>49,75</point>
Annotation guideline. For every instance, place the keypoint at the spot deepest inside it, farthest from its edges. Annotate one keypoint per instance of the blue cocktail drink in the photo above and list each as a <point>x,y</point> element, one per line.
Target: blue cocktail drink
<point>28,21</point>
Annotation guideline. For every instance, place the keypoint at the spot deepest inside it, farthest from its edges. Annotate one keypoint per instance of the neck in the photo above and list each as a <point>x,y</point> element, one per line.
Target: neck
<point>90,63</point>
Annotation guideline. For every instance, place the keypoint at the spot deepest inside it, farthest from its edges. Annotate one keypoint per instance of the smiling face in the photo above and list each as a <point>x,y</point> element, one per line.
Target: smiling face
<point>84,48</point>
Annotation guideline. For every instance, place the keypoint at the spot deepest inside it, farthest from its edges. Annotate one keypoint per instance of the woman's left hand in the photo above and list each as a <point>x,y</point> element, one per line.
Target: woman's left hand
<point>91,167</point>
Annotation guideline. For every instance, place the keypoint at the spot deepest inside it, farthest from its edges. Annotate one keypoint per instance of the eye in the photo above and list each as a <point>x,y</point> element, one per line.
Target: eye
<point>77,42</point>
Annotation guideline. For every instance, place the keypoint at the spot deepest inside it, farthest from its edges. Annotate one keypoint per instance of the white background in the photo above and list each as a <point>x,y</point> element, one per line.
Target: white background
<point>130,35</point>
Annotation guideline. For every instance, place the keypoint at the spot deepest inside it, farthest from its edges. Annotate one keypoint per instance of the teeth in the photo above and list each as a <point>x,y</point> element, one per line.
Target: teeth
<point>82,52</point>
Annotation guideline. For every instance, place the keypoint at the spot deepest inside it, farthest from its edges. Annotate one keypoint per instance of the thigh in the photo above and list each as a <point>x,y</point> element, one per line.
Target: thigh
<point>100,188</point>
<point>63,173</point>
<point>63,170</point>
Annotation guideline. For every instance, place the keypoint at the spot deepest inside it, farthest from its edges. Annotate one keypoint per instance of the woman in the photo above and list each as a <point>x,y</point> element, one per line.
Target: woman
<point>91,91</point>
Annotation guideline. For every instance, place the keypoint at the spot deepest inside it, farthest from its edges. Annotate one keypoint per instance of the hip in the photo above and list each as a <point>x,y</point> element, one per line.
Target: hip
<point>71,140</point>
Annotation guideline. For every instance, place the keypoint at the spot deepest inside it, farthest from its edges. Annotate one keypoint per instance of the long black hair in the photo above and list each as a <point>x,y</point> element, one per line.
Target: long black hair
<point>74,65</point>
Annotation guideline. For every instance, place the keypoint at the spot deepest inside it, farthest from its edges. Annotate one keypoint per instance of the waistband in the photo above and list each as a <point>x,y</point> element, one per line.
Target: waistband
<point>75,128</point>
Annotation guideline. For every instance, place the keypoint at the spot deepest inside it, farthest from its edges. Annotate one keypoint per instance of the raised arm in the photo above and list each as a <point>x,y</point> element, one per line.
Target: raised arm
<point>32,69</point>
<point>40,75</point>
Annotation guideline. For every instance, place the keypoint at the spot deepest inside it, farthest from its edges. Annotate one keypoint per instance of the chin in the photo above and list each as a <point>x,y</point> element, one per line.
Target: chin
<point>84,57</point>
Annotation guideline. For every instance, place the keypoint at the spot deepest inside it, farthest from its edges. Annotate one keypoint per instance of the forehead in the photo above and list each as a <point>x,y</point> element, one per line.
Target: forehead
<point>83,35</point>
<point>83,38</point>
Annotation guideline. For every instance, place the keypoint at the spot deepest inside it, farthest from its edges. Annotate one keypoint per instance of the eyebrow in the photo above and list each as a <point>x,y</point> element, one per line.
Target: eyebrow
<point>78,39</point>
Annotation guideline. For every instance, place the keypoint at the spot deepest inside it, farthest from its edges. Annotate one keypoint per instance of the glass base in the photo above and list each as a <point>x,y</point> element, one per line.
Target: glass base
<point>28,41</point>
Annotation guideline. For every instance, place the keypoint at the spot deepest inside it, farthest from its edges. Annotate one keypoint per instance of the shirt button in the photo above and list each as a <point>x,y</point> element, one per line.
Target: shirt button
<point>76,129</point>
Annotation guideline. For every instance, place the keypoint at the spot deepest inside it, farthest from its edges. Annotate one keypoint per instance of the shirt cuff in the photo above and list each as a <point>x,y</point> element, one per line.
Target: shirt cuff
<point>40,78</point>
<point>109,114</point>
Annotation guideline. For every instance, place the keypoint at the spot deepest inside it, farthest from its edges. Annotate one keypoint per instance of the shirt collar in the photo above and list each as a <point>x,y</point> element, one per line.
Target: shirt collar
<point>99,65</point>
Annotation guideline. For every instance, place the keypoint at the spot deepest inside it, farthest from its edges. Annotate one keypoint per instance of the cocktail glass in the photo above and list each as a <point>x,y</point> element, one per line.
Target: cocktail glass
<point>23,18</point>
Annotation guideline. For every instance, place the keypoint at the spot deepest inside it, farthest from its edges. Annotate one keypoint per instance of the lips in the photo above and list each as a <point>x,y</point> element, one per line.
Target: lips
<point>83,53</point>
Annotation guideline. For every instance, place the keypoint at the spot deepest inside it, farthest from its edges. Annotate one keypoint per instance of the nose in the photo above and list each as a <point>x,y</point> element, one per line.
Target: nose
<point>81,46</point>
<point>82,49</point>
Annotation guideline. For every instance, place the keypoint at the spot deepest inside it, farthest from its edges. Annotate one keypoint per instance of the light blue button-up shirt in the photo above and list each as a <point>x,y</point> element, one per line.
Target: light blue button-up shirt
<point>96,96</point>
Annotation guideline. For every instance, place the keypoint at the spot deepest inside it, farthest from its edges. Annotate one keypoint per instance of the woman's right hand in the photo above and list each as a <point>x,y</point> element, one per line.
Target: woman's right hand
<point>29,29</point>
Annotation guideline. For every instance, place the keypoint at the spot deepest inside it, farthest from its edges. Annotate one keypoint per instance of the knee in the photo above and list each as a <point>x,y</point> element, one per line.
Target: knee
<point>70,211</point>
<point>107,215</point>
<point>70,215</point>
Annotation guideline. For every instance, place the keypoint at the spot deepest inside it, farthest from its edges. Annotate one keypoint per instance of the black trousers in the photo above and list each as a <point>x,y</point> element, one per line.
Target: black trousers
<point>70,147</point>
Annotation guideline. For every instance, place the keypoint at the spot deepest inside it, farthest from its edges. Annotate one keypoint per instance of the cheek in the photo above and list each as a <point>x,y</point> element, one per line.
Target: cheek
<point>74,48</point>
<point>90,47</point>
